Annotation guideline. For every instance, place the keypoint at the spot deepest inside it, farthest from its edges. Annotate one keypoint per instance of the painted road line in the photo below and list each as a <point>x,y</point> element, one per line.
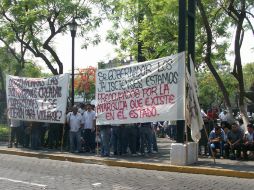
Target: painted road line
<point>23,182</point>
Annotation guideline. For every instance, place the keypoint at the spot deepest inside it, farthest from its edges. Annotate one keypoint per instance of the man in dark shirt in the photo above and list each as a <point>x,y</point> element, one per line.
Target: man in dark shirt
<point>234,142</point>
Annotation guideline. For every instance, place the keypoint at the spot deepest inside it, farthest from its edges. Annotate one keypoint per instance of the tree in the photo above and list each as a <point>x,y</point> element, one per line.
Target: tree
<point>209,93</point>
<point>10,65</point>
<point>85,83</point>
<point>248,75</point>
<point>147,25</point>
<point>32,25</point>
<point>239,11</point>
<point>215,27</point>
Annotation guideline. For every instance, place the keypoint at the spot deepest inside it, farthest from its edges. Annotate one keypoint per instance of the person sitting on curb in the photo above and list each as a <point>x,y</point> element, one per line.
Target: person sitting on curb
<point>216,140</point>
<point>234,142</point>
<point>248,140</point>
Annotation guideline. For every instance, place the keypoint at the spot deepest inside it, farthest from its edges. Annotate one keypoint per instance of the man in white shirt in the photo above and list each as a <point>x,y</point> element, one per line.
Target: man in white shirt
<point>248,140</point>
<point>88,121</point>
<point>223,117</point>
<point>74,121</point>
<point>82,108</point>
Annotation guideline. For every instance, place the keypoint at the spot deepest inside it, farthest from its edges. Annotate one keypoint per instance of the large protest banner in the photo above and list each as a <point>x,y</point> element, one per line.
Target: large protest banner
<point>37,99</point>
<point>142,92</point>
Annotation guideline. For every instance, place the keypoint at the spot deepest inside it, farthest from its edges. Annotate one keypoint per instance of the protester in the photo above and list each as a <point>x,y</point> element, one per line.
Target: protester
<point>234,141</point>
<point>74,121</point>
<point>131,134</point>
<point>15,133</point>
<point>117,133</point>
<point>105,140</point>
<point>35,135</point>
<point>248,141</point>
<point>145,137</point>
<point>216,141</point>
<point>54,135</point>
<point>155,126</point>
<point>88,122</point>
<point>241,125</point>
<point>223,117</point>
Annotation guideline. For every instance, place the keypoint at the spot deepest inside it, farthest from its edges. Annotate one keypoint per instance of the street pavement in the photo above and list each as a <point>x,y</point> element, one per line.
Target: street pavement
<point>28,173</point>
<point>159,161</point>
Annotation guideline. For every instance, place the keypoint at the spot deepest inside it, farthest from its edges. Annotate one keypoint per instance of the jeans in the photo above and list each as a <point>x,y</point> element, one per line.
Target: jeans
<point>105,141</point>
<point>216,145</point>
<point>146,138</point>
<point>154,141</point>
<point>15,135</point>
<point>117,140</point>
<point>236,147</point>
<point>74,139</point>
<point>89,137</point>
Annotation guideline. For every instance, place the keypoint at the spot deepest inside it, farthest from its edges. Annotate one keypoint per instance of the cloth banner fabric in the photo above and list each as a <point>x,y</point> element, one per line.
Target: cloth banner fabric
<point>143,92</point>
<point>193,113</point>
<point>37,99</point>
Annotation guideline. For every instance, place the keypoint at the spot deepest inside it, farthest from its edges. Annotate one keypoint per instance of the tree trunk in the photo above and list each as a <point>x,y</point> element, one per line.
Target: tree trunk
<point>209,62</point>
<point>239,16</point>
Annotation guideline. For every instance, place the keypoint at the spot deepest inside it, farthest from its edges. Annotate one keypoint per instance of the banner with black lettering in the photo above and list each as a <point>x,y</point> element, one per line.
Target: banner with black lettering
<point>37,99</point>
<point>143,92</point>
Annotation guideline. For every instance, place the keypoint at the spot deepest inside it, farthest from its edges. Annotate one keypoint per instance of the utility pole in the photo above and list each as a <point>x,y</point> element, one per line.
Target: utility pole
<point>181,48</point>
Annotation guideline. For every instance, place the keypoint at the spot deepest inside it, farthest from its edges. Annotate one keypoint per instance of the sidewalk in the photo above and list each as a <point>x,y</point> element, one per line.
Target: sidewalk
<point>159,161</point>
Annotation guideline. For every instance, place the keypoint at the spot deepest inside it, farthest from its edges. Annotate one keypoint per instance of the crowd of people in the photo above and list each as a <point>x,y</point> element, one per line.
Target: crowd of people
<point>230,141</point>
<point>227,139</point>
<point>80,135</point>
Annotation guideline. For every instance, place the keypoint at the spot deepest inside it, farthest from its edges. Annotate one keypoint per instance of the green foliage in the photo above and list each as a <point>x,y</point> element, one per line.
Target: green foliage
<point>219,25</point>
<point>152,22</point>
<point>248,75</point>
<point>34,25</point>
<point>209,92</point>
<point>31,70</point>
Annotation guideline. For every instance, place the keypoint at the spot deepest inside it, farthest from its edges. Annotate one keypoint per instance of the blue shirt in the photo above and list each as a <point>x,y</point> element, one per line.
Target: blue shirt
<point>214,135</point>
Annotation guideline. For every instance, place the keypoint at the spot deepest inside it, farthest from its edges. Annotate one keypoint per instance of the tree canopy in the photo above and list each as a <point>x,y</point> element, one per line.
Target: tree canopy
<point>32,26</point>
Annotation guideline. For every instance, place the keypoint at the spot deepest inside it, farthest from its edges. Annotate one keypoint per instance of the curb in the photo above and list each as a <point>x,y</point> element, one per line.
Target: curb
<point>146,166</point>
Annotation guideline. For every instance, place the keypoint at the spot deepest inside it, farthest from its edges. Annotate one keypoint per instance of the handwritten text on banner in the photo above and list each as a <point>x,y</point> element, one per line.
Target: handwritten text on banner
<point>142,92</point>
<point>37,99</point>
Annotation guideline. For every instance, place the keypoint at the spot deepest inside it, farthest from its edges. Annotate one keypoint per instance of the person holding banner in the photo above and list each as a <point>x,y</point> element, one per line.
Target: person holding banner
<point>74,121</point>
<point>146,137</point>
<point>105,140</point>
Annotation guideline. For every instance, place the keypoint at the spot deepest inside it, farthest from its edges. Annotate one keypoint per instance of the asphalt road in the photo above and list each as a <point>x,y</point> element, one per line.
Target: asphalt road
<point>24,173</point>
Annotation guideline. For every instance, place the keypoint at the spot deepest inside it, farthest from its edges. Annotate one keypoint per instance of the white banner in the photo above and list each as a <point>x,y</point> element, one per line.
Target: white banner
<point>193,113</point>
<point>37,99</point>
<point>143,92</point>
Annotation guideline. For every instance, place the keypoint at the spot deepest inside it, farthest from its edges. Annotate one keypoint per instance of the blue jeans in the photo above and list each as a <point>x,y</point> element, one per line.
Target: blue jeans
<point>217,145</point>
<point>117,140</point>
<point>146,138</point>
<point>105,141</point>
<point>74,140</point>
<point>154,141</point>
